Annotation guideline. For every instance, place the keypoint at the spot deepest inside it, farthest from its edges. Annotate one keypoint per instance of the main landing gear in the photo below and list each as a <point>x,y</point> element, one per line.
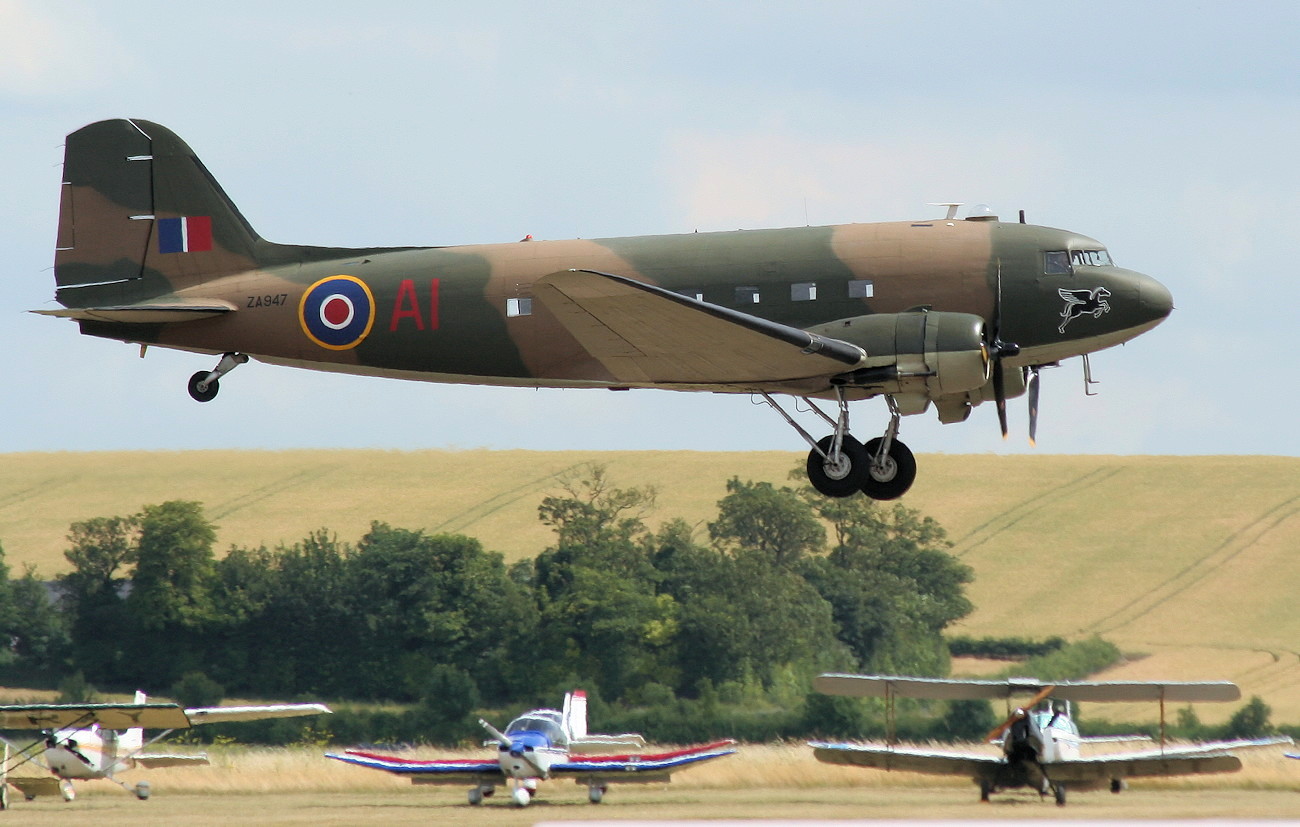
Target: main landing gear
<point>839,465</point>
<point>203,385</point>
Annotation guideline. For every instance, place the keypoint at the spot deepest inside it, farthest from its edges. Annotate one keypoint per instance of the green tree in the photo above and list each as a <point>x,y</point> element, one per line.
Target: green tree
<point>174,568</point>
<point>102,552</point>
<point>775,523</point>
<point>1251,721</point>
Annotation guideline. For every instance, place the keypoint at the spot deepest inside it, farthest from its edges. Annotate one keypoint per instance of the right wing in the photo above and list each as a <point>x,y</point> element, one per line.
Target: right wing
<point>154,761</point>
<point>881,686</point>
<point>930,762</point>
<point>450,771</point>
<point>1196,759</point>
<point>225,714</point>
<point>33,785</point>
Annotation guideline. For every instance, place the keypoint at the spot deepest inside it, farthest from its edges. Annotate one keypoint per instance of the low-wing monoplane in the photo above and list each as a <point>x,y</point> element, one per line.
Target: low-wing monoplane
<point>941,312</point>
<point>547,744</point>
<point>93,741</point>
<point>1039,744</point>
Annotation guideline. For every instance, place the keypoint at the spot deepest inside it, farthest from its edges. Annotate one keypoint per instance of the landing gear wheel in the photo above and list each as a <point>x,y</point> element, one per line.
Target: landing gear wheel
<point>475,796</point>
<point>595,794</point>
<point>1117,785</point>
<point>895,474</point>
<point>985,790</point>
<point>67,790</point>
<point>201,390</point>
<point>142,790</point>
<point>521,796</point>
<point>1059,790</point>
<point>839,479</point>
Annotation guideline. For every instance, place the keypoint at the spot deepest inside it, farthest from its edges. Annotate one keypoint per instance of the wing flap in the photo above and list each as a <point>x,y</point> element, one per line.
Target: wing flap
<point>226,714</point>
<point>644,334</point>
<point>929,762</point>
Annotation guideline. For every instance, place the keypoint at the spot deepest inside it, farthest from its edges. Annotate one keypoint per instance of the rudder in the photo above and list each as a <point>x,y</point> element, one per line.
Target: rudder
<point>140,216</point>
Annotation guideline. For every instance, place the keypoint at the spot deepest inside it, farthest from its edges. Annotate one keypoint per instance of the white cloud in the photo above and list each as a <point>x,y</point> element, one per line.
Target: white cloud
<point>44,51</point>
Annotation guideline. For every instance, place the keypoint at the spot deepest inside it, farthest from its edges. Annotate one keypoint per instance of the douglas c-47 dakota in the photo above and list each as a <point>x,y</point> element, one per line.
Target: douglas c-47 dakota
<point>947,313</point>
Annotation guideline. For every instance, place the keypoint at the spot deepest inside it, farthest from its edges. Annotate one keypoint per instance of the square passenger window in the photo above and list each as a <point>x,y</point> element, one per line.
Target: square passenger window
<point>519,307</point>
<point>805,292</point>
<point>746,295</point>
<point>692,293</point>
<point>862,289</point>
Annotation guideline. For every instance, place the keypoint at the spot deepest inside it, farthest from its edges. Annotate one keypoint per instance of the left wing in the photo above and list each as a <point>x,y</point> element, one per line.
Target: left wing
<point>81,716</point>
<point>448,771</point>
<point>1199,759</point>
<point>646,335</point>
<point>624,769</point>
<point>225,714</point>
<point>930,762</point>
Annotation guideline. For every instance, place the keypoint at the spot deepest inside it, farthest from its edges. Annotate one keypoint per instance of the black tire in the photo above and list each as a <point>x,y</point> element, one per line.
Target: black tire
<point>986,788</point>
<point>207,394</point>
<point>1059,790</point>
<point>894,480</point>
<point>845,480</point>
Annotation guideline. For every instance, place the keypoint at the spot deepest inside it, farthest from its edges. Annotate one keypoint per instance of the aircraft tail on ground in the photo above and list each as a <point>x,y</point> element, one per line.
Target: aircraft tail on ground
<point>575,714</point>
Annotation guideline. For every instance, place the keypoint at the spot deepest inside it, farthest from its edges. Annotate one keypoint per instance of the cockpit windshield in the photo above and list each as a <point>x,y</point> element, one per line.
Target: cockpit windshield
<point>545,721</point>
<point>1063,262</point>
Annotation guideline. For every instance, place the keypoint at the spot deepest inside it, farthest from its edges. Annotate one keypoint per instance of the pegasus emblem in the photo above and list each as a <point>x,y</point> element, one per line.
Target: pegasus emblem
<point>1081,302</point>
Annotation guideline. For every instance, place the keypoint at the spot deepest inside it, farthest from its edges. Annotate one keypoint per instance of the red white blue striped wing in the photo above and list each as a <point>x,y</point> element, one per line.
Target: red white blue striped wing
<point>452,769</point>
<point>615,768</point>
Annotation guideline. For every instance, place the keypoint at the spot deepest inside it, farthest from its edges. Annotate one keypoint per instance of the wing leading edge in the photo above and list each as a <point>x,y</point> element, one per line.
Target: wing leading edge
<point>648,336</point>
<point>880,686</point>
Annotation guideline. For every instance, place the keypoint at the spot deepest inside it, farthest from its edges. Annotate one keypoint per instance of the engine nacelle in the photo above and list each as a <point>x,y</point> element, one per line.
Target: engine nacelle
<point>917,357</point>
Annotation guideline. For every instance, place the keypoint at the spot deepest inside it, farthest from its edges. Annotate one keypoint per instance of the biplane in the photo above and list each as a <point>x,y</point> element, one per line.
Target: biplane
<point>1040,744</point>
<point>94,741</point>
<point>547,744</point>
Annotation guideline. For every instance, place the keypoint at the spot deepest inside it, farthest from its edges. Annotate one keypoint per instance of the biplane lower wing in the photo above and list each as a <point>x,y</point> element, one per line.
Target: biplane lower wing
<point>928,762</point>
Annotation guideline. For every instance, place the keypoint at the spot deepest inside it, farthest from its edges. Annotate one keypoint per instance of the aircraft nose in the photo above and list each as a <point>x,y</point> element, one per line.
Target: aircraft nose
<point>1155,298</point>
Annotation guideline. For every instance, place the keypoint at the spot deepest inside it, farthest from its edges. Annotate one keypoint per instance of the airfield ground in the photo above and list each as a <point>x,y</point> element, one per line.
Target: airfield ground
<point>286,787</point>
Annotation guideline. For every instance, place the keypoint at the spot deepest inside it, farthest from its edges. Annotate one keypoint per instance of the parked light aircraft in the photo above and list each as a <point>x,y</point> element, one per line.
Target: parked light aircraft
<point>946,312</point>
<point>1040,745</point>
<point>92,741</point>
<point>545,744</point>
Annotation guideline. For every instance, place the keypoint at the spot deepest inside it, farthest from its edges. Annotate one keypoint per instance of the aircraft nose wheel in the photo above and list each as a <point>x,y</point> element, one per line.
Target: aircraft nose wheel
<point>839,476</point>
<point>888,477</point>
<point>595,794</point>
<point>521,796</point>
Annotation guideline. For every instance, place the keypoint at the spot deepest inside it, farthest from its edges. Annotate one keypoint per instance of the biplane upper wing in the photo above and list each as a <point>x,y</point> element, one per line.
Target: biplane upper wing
<point>645,334</point>
<point>80,716</point>
<point>927,761</point>
<point>448,771</point>
<point>637,768</point>
<point>226,714</point>
<point>879,686</point>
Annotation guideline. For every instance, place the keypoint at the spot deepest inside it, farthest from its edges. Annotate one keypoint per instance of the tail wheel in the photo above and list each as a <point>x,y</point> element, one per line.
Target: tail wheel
<point>202,390</point>
<point>893,475</point>
<point>843,476</point>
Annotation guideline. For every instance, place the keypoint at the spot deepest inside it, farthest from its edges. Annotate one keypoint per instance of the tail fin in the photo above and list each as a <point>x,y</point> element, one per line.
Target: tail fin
<point>132,739</point>
<point>140,217</point>
<point>575,714</point>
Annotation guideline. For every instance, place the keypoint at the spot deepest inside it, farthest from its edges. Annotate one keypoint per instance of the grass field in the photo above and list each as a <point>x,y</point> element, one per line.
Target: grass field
<point>1189,564</point>
<point>772,781</point>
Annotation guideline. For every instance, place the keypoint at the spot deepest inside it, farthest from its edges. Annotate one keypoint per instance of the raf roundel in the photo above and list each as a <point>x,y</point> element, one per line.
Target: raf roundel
<point>337,312</point>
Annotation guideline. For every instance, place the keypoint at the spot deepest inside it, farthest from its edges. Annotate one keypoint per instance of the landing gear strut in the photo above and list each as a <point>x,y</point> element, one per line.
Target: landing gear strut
<point>203,385</point>
<point>840,466</point>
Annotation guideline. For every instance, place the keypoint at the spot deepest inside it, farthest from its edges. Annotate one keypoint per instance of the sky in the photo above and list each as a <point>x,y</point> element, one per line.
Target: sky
<point>1168,130</point>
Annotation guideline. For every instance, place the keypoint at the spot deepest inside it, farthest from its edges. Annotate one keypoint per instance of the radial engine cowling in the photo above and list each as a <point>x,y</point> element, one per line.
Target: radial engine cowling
<point>918,356</point>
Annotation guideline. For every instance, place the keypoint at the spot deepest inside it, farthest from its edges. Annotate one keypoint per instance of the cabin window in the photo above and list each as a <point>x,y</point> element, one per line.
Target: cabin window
<point>1056,263</point>
<point>805,292</point>
<point>746,295</point>
<point>1090,258</point>
<point>861,289</point>
<point>519,307</point>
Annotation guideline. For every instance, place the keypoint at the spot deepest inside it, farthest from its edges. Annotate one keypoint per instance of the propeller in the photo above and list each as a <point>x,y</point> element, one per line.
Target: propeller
<point>1031,388</point>
<point>997,350</point>
<point>1018,713</point>
<point>497,735</point>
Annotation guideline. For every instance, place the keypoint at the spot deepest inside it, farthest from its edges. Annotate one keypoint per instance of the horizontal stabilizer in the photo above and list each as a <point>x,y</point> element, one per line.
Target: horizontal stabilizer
<point>226,714</point>
<point>881,686</point>
<point>154,761</point>
<point>155,312</point>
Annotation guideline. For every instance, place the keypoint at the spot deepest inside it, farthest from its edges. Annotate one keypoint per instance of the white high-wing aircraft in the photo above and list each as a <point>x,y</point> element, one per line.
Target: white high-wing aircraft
<point>92,741</point>
<point>544,744</point>
<point>1040,746</point>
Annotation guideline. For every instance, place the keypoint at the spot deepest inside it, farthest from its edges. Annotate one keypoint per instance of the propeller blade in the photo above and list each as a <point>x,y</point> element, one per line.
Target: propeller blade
<point>1031,386</point>
<point>496,734</point>
<point>1018,713</point>
<point>1000,394</point>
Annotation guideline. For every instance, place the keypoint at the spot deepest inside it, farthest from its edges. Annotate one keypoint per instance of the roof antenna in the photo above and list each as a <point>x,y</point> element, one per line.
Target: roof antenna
<point>1022,216</point>
<point>952,208</point>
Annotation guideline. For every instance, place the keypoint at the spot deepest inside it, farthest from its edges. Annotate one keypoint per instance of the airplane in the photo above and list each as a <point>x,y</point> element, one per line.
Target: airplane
<point>1039,745</point>
<point>544,744</point>
<point>97,741</point>
<point>946,312</point>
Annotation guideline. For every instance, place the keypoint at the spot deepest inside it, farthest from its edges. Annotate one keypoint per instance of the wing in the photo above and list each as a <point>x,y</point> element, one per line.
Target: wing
<point>1073,296</point>
<point>632,769</point>
<point>157,760</point>
<point>226,714</point>
<point>1199,759</point>
<point>645,335</point>
<point>108,716</point>
<point>158,312</point>
<point>880,686</point>
<point>33,785</point>
<point>451,771</point>
<point>929,762</point>
<point>595,744</point>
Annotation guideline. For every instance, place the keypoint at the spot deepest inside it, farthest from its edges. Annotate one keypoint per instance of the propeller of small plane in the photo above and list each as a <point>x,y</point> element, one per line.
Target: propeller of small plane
<point>1018,713</point>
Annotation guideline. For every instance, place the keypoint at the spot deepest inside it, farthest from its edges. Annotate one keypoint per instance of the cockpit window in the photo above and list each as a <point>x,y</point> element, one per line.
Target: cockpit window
<point>1090,258</point>
<point>1056,263</point>
<point>547,723</point>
